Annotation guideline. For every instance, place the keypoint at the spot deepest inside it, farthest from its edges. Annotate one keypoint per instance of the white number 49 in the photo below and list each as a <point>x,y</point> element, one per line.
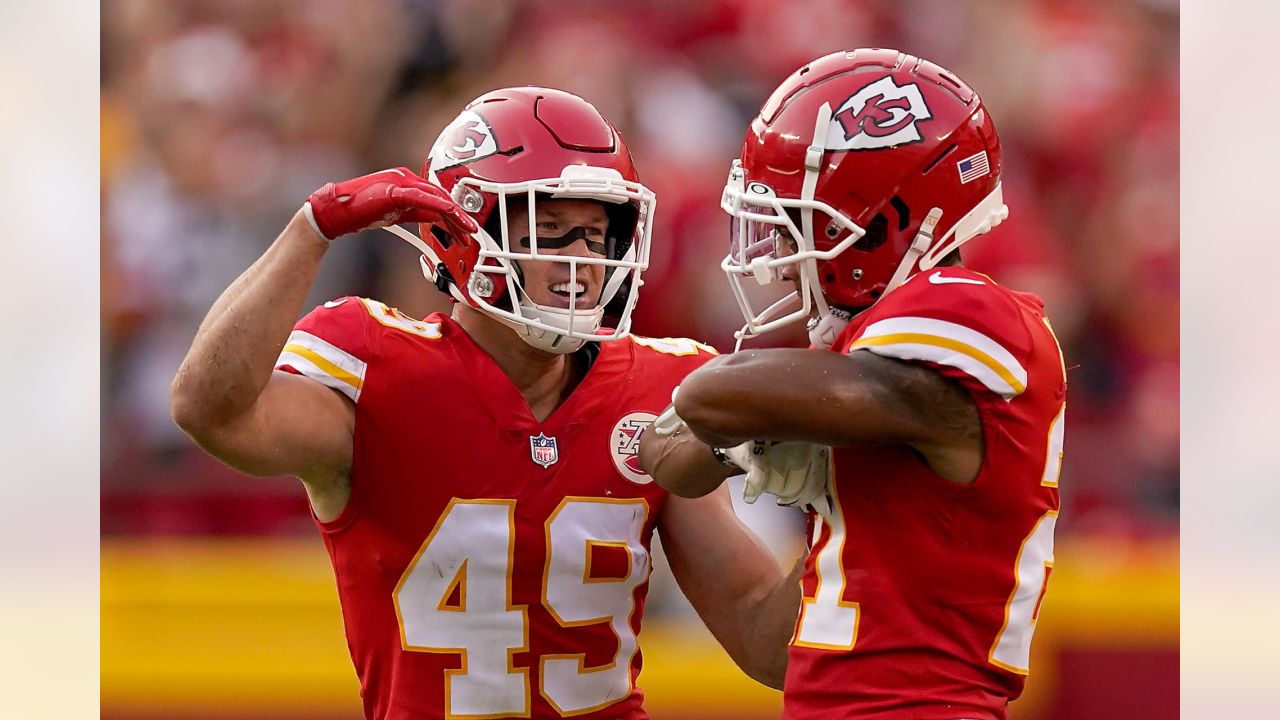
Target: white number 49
<point>455,597</point>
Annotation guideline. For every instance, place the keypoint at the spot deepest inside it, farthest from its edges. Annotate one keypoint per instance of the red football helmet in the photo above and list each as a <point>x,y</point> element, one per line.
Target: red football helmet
<point>876,164</point>
<point>528,143</point>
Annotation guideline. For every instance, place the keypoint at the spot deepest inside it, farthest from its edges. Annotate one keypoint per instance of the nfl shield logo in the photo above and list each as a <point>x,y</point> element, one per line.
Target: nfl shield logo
<point>543,449</point>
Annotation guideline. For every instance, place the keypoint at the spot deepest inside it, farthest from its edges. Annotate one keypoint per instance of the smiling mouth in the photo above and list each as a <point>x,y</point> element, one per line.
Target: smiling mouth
<point>564,292</point>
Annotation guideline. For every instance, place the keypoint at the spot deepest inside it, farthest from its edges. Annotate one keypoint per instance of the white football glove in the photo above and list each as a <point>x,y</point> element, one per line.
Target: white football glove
<point>796,472</point>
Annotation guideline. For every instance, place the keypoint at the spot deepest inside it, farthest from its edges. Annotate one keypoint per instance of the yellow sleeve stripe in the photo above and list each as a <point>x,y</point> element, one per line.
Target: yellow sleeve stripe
<point>325,363</point>
<point>316,359</point>
<point>947,344</point>
<point>911,338</point>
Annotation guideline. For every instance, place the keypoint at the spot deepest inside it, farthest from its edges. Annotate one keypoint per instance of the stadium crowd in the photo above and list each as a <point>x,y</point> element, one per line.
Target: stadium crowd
<point>220,116</point>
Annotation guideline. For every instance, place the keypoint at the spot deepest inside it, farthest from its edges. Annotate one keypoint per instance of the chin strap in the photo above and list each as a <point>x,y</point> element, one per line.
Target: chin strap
<point>923,240</point>
<point>582,322</point>
<point>824,328</point>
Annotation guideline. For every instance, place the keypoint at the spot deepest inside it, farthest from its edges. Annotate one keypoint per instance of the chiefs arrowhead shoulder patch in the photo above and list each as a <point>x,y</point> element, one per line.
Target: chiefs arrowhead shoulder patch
<point>624,445</point>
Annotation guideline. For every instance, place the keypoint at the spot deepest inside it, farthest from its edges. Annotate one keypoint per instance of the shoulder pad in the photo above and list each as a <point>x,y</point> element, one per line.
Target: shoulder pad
<point>957,318</point>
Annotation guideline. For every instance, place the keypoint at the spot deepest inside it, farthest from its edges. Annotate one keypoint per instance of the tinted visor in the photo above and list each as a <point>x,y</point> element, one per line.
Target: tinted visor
<point>762,231</point>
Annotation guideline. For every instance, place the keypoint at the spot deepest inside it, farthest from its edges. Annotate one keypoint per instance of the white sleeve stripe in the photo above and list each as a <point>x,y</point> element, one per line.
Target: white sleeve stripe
<point>1000,370</point>
<point>947,356</point>
<point>308,369</point>
<point>956,336</point>
<point>328,351</point>
<point>953,331</point>
<point>322,361</point>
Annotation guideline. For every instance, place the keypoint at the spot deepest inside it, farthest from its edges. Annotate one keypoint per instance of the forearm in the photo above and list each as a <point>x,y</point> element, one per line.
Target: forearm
<point>814,396</point>
<point>774,622</point>
<point>755,628</point>
<point>234,350</point>
<point>748,602</point>
<point>682,464</point>
<point>730,399</point>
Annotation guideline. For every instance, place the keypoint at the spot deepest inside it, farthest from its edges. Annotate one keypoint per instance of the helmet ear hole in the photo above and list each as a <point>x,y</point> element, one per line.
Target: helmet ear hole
<point>877,234</point>
<point>904,212</point>
<point>442,236</point>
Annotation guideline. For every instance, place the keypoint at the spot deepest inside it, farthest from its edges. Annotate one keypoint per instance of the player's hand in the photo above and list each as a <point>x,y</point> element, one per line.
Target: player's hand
<point>796,472</point>
<point>380,199</point>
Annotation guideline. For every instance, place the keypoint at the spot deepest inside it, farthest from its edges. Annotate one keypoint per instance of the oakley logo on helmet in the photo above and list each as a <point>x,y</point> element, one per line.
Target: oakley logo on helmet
<point>467,138</point>
<point>880,115</point>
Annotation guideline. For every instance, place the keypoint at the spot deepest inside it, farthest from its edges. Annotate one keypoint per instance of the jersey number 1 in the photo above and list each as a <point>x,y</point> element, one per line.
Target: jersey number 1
<point>829,622</point>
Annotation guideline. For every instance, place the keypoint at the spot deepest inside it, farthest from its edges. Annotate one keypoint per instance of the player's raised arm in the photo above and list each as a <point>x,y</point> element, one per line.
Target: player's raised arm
<point>834,399</point>
<point>226,395</point>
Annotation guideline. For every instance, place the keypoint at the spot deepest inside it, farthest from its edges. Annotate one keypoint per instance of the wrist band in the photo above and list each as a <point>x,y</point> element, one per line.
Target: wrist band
<point>311,218</point>
<point>719,455</point>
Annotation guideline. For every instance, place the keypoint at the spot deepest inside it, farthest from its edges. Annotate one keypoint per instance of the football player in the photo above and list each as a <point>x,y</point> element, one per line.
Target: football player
<point>925,423</point>
<point>474,476</point>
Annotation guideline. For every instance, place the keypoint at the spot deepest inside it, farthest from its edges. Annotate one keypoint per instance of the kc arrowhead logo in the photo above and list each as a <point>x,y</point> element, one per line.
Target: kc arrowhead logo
<point>466,139</point>
<point>880,115</point>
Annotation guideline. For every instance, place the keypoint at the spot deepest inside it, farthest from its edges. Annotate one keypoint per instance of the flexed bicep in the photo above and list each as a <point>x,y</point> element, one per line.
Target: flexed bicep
<point>297,426</point>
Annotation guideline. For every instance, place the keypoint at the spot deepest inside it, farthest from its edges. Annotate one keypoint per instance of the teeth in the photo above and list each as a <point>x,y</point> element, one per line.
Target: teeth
<point>575,288</point>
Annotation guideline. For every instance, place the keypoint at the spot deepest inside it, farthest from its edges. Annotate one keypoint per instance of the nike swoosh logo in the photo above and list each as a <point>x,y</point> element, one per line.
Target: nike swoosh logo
<point>940,279</point>
<point>335,303</point>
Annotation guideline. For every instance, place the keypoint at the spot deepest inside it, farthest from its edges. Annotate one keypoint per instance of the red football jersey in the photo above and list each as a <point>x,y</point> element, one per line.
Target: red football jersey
<point>921,595</point>
<point>488,565</point>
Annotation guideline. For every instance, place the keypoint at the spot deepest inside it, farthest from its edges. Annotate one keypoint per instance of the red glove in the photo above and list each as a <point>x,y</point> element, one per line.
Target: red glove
<point>383,198</point>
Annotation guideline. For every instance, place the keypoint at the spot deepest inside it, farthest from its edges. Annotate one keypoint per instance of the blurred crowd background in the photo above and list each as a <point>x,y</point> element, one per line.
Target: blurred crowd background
<point>219,117</point>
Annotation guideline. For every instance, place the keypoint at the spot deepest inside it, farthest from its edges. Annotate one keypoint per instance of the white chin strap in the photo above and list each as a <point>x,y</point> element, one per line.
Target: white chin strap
<point>919,245</point>
<point>925,254</point>
<point>558,341</point>
<point>827,326</point>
